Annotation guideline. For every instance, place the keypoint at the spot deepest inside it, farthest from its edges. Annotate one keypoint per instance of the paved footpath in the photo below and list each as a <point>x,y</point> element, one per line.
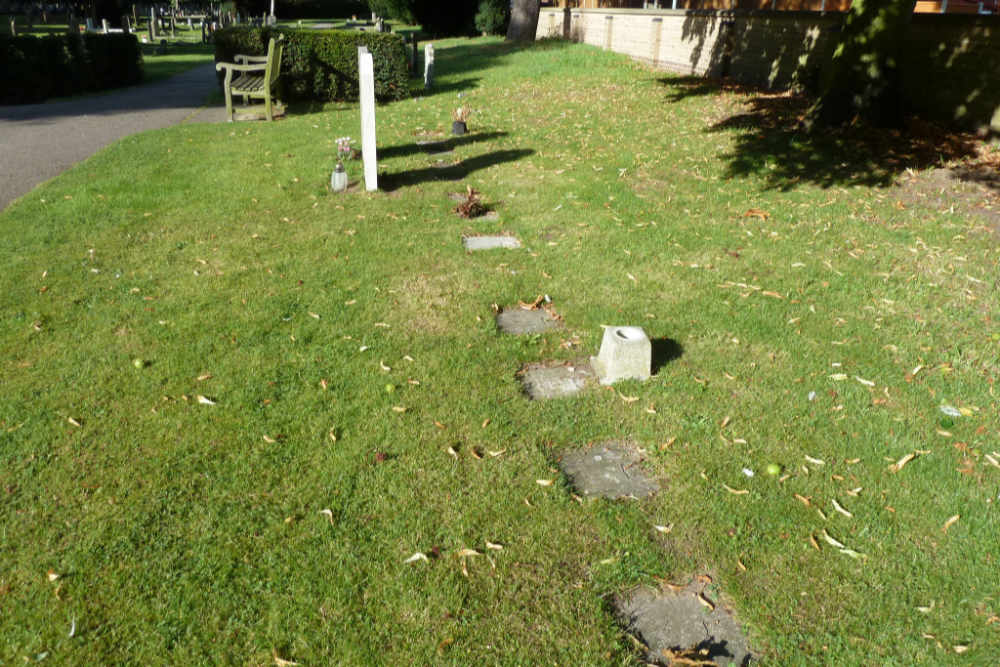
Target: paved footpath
<point>40,141</point>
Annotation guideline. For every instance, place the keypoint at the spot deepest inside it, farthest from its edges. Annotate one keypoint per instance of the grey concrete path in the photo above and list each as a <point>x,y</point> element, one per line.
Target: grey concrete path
<point>40,141</point>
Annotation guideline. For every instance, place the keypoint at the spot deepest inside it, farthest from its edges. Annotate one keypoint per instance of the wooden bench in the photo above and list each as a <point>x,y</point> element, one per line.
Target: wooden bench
<point>252,77</point>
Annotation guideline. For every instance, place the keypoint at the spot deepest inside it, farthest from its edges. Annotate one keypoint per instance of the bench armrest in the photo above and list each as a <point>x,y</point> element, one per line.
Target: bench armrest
<point>240,58</point>
<point>233,67</point>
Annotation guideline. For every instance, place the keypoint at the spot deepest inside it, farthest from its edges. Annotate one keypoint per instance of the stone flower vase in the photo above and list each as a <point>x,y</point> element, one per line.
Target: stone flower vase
<point>338,180</point>
<point>458,128</point>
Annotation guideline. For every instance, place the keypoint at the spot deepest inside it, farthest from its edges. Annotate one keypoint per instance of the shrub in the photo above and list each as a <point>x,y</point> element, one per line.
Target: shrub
<point>492,17</point>
<point>322,65</point>
<point>36,68</point>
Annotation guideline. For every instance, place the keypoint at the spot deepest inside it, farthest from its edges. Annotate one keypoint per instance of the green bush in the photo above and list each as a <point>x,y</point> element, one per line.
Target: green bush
<point>322,65</point>
<point>492,17</point>
<point>36,68</point>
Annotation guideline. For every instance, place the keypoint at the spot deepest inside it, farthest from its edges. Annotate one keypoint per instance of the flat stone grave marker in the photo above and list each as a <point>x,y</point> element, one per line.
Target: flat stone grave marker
<point>542,382</point>
<point>490,242</point>
<point>607,470</point>
<point>519,321</point>
<point>672,622</point>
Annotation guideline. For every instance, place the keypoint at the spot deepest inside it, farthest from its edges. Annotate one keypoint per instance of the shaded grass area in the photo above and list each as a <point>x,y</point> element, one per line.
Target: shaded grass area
<point>798,318</point>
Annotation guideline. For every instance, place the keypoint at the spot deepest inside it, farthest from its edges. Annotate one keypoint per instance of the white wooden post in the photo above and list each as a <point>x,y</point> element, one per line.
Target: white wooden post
<point>366,79</point>
<point>428,66</point>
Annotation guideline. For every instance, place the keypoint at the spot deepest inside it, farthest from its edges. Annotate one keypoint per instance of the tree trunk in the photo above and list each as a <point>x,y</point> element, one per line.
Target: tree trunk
<point>863,79</point>
<point>523,21</point>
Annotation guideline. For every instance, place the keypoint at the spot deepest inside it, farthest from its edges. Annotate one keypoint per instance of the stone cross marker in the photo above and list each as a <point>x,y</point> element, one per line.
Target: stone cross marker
<point>366,79</point>
<point>428,66</point>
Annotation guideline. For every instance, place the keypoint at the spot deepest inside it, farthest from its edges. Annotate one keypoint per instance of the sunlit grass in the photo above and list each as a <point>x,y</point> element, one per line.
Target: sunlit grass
<point>816,324</point>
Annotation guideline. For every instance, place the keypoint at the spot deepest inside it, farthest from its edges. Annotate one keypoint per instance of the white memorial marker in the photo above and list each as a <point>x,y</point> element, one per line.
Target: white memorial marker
<point>428,65</point>
<point>366,79</point>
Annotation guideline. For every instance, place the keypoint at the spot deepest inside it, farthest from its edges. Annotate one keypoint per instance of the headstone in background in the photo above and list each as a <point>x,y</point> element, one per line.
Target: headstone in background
<point>428,66</point>
<point>104,26</point>
<point>366,79</point>
<point>13,30</point>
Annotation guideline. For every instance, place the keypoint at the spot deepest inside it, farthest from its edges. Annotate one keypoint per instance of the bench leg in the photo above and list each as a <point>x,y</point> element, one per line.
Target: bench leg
<point>267,104</point>
<point>229,104</point>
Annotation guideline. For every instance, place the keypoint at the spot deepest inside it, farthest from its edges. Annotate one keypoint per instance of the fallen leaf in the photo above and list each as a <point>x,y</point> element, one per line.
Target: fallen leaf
<point>813,542</point>
<point>465,553</point>
<point>756,213</point>
<point>329,515</point>
<point>867,383</point>
<point>206,376</point>
<point>840,509</point>
<point>664,529</point>
<point>496,454</point>
<point>74,422</point>
<point>706,602</point>
<point>949,523</point>
<point>486,422</point>
<point>52,575</point>
<point>385,369</point>
<point>837,377</point>
<point>628,399</point>
<point>280,661</point>
<point>494,546</point>
<point>815,461</point>
<point>440,425</point>
<point>454,454</point>
<point>831,541</point>
<point>398,408</point>
<point>269,440</point>
<point>544,482</point>
<point>417,556</point>
<point>851,552</point>
<point>737,492</point>
<point>204,400</point>
<point>898,465</point>
<point>960,648</point>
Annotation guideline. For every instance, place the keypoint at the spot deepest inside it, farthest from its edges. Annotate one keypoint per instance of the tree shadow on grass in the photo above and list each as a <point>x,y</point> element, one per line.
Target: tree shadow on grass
<point>665,350</point>
<point>771,141</point>
<point>452,172</point>
<point>437,146</point>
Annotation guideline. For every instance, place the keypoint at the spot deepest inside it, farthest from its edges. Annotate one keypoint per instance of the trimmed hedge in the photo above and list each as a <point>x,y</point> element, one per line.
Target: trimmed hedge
<point>322,65</point>
<point>36,68</point>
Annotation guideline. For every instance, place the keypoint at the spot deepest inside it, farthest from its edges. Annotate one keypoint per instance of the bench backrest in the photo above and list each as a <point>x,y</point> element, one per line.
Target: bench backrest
<point>273,70</point>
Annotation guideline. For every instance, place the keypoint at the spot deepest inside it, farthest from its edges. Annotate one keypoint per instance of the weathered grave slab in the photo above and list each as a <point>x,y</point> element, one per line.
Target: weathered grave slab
<point>542,382</point>
<point>490,242</point>
<point>519,321</point>
<point>675,622</point>
<point>608,470</point>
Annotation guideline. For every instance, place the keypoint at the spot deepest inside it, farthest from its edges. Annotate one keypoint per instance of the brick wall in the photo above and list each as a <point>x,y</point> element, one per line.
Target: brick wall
<point>950,70</point>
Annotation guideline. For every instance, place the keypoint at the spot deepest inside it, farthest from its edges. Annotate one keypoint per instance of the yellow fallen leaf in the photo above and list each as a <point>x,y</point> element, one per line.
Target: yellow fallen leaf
<point>494,546</point>
<point>52,575</point>
<point>329,515</point>
<point>465,553</point>
<point>454,454</point>
<point>417,556</point>
<point>813,542</point>
<point>280,662</point>
<point>269,440</point>
<point>949,523</point>
<point>706,602</point>
<point>898,465</point>
<point>837,377</point>
<point>544,482</point>
<point>496,454</point>
<point>398,408</point>
<point>815,461</point>
<point>840,509</point>
<point>802,499</point>
<point>831,541</point>
<point>73,422</point>
<point>737,492</point>
<point>664,529</point>
<point>204,400</point>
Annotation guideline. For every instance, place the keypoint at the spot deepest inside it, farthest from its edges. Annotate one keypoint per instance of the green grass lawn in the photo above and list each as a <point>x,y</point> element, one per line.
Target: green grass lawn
<point>321,391</point>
